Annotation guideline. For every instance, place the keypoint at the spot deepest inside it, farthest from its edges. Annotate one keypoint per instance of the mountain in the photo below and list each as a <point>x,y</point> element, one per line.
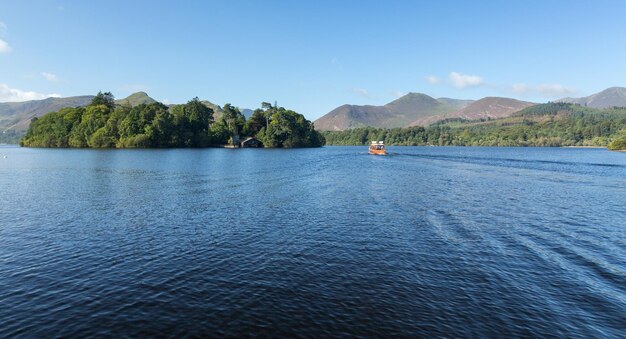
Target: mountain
<point>247,112</point>
<point>15,116</point>
<point>398,113</point>
<point>549,124</point>
<point>136,99</point>
<point>610,97</point>
<point>217,110</point>
<point>351,116</point>
<point>489,107</point>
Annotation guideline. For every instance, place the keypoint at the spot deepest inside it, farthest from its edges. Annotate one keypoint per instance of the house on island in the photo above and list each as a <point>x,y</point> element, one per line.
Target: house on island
<point>251,142</point>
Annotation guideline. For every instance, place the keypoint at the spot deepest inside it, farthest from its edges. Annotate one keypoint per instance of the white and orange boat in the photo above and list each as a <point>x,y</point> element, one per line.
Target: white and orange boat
<point>377,148</point>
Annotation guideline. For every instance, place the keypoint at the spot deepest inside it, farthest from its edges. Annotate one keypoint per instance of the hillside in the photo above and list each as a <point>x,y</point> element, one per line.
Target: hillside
<point>217,110</point>
<point>491,107</point>
<point>247,112</point>
<point>610,97</point>
<point>398,113</point>
<point>15,116</point>
<point>416,109</point>
<point>135,99</point>
<point>485,108</point>
<point>551,124</point>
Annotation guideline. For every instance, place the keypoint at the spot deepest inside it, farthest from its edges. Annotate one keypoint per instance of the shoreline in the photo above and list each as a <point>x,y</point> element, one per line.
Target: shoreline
<point>236,147</point>
<point>582,146</point>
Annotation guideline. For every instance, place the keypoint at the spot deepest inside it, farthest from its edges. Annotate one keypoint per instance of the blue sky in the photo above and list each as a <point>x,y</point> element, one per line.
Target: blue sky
<point>311,56</point>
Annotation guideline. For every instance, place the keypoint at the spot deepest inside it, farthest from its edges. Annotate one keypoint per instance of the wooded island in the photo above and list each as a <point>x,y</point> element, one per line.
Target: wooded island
<point>105,124</point>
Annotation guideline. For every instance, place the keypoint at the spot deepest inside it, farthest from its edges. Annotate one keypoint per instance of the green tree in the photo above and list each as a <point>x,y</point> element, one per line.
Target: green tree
<point>106,99</point>
<point>234,119</point>
<point>255,123</point>
<point>619,143</point>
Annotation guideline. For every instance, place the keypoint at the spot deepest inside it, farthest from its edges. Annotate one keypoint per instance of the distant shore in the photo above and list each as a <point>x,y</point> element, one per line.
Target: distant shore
<point>583,146</point>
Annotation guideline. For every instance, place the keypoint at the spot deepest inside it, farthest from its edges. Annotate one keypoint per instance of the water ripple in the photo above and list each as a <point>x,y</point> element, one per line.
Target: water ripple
<point>442,242</point>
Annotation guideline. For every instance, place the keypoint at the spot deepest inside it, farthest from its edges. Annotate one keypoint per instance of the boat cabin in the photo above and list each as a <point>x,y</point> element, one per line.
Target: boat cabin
<point>377,148</point>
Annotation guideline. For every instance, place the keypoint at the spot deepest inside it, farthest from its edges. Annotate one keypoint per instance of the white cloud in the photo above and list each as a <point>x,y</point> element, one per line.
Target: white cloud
<point>165,102</point>
<point>4,47</point>
<point>433,80</point>
<point>61,8</point>
<point>520,88</point>
<point>553,90</point>
<point>542,90</point>
<point>398,94</point>
<point>8,94</point>
<point>334,61</point>
<point>463,80</point>
<point>50,76</point>
<point>361,92</point>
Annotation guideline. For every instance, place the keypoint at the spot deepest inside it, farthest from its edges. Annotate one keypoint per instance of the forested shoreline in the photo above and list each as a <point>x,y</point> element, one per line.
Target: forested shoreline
<point>544,125</point>
<point>103,124</point>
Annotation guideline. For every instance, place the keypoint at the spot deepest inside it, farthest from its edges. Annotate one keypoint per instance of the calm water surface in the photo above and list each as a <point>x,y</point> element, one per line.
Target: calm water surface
<point>328,242</point>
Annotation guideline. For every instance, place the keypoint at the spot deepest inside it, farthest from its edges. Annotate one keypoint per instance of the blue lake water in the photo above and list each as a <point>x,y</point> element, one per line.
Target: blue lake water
<point>429,241</point>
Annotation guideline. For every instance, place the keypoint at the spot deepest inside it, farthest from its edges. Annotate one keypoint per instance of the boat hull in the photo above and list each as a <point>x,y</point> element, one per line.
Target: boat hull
<point>377,152</point>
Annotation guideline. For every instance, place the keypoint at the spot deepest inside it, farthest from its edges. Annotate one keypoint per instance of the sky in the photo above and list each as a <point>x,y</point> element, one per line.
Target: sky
<point>311,56</point>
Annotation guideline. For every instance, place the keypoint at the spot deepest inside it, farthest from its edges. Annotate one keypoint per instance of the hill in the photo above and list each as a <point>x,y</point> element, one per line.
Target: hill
<point>15,116</point>
<point>136,99</point>
<point>416,109</point>
<point>398,113</point>
<point>217,110</point>
<point>247,112</point>
<point>485,108</point>
<point>491,107</point>
<point>610,97</point>
<point>352,116</point>
<point>551,124</point>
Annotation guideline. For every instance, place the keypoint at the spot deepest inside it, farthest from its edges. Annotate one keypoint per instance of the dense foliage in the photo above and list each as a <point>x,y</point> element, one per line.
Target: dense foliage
<point>619,143</point>
<point>102,124</point>
<point>283,128</point>
<point>552,124</point>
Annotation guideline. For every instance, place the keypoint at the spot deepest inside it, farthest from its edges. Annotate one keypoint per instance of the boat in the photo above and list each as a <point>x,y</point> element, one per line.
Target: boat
<point>377,148</point>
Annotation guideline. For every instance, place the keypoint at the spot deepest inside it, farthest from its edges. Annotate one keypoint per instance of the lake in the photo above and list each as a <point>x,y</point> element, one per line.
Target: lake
<point>428,241</point>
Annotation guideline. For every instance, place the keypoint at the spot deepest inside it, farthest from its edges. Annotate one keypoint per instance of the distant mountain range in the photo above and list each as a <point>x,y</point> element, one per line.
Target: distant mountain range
<point>402,112</point>
<point>420,109</point>
<point>489,107</point>
<point>410,110</point>
<point>610,97</point>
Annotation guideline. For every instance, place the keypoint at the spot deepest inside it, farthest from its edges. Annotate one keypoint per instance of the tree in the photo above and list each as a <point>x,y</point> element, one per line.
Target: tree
<point>268,111</point>
<point>106,99</point>
<point>255,123</point>
<point>619,144</point>
<point>219,132</point>
<point>101,125</point>
<point>234,119</point>
<point>200,117</point>
<point>289,129</point>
